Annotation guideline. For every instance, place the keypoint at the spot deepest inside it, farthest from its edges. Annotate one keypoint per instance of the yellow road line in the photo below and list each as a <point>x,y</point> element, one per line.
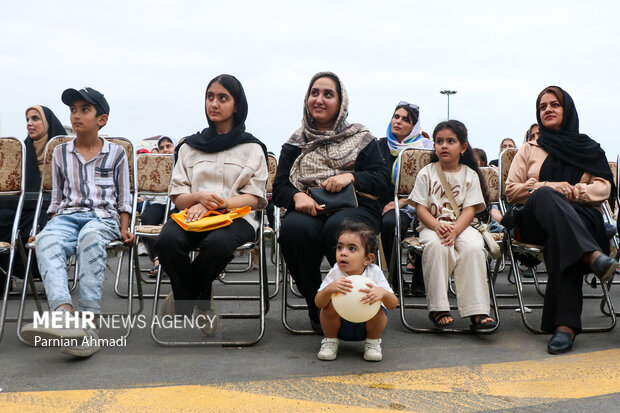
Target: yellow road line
<point>464,388</point>
<point>580,375</point>
<point>157,399</point>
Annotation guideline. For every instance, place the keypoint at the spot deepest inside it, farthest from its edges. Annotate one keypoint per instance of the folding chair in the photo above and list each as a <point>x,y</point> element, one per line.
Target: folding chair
<point>288,288</point>
<point>116,246</point>
<point>262,298</point>
<point>119,247</point>
<point>514,247</point>
<point>153,174</point>
<point>269,233</point>
<point>611,217</point>
<point>616,216</point>
<point>491,177</point>
<point>610,209</point>
<point>272,233</point>
<point>272,164</point>
<point>505,160</point>
<point>410,162</point>
<point>12,184</point>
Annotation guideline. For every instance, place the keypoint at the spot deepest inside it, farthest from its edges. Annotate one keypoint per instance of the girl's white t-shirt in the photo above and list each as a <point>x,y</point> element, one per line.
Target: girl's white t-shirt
<point>372,271</point>
<point>429,192</point>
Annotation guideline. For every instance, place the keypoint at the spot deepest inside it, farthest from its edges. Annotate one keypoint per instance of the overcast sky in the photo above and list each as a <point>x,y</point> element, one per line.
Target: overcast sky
<point>153,60</point>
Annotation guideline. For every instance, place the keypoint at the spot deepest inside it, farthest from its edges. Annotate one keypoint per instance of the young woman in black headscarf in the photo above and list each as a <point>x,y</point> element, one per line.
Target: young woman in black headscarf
<point>563,178</point>
<point>42,125</point>
<point>222,167</point>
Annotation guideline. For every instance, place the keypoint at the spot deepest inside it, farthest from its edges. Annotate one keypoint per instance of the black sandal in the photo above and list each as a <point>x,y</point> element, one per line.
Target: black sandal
<point>410,266</point>
<point>437,316</point>
<point>478,325</point>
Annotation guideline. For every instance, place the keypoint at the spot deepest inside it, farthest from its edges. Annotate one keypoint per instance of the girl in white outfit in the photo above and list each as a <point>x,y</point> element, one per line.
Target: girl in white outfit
<point>451,246</point>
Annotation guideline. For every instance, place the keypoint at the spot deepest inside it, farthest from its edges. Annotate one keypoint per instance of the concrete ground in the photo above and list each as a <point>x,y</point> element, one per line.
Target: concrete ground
<point>507,370</point>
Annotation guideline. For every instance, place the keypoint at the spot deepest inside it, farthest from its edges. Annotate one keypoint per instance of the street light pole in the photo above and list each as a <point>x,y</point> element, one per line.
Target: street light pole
<point>448,93</point>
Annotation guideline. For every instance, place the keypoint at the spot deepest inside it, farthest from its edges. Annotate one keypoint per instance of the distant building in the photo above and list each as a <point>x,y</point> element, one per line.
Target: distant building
<point>148,143</point>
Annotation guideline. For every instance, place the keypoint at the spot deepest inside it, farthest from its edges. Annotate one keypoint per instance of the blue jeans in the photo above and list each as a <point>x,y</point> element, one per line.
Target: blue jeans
<point>85,235</point>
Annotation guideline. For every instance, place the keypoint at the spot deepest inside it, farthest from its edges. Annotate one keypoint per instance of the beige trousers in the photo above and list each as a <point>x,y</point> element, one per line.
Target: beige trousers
<point>466,260</point>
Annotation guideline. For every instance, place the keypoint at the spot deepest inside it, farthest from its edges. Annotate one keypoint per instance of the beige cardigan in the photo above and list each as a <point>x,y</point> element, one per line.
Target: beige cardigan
<point>239,170</point>
<point>524,175</point>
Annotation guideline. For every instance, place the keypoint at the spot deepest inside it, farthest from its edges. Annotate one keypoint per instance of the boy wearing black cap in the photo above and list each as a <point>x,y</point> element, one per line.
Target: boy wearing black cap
<point>90,206</point>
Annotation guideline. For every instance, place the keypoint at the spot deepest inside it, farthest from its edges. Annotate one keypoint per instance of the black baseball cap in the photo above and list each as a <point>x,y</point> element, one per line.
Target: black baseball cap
<point>88,94</point>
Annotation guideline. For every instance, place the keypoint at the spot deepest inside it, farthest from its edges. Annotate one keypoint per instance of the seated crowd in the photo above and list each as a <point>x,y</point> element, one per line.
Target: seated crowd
<point>559,175</point>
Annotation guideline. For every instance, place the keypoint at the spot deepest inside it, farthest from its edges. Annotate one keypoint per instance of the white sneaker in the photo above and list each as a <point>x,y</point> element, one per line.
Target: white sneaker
<point>30,332</point>
<point>329,349</point>
<point>372,349</point>
<point>87,346</point>
<point>142,249</point>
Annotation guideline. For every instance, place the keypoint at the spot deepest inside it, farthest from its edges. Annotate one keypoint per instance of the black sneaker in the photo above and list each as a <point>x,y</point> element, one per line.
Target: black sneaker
<point>406,289</point>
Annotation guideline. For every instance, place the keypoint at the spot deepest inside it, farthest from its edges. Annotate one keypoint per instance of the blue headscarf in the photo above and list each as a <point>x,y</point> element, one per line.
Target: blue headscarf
<point>414,140</point>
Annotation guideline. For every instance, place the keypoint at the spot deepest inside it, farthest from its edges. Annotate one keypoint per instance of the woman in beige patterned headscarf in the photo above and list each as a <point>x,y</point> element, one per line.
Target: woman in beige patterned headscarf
<point>326,151</point>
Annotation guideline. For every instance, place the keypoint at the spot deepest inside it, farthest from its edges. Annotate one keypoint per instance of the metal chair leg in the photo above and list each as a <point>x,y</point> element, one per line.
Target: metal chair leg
<point>522,306</point>
<point>286,288</point>
<point>261,297</point>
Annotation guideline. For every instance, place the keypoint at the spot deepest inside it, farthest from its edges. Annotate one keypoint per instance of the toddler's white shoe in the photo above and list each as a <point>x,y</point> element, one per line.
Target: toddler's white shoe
<point>372,349</point>
<point>329,349</point>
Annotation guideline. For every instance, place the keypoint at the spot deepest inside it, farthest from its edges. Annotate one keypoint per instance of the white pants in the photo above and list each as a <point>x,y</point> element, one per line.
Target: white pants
<point>466,260</point>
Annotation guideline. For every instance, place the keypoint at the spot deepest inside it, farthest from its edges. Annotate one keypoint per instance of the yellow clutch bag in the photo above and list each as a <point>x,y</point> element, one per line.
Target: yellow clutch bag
<point>212,220</point>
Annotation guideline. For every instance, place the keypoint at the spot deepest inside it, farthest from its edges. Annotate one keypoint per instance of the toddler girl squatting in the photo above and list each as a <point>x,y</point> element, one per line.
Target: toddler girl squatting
<point>354,257</point>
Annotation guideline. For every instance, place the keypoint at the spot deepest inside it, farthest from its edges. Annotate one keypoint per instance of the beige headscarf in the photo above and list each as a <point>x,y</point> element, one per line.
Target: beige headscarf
<point>39,144</point>
<point>326,153</point>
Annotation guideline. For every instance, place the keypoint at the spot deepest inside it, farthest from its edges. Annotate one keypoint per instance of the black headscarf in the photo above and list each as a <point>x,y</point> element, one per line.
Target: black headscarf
<point>208,140</point>
<point>33,175</point>
<point>571,153</point>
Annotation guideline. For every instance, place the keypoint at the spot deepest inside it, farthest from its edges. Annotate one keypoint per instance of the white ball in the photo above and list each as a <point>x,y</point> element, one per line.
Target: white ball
<point>349,306</point>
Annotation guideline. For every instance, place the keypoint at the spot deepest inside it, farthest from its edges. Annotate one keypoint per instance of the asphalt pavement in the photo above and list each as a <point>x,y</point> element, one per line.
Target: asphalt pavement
<point>507,370</point>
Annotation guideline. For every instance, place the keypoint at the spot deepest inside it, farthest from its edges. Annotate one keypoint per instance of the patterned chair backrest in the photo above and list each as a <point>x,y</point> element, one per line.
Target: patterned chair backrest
<point>614,171</point>
<point>616,176</point>
<point>11,154</point>
<point>411,161</point>
<point>58,140</point>
<point>505,160</point>
<point>154,172</point>
<point>272,166</point>
<point>131,157</point>
<point>491,178</point>
<point>47,161</point>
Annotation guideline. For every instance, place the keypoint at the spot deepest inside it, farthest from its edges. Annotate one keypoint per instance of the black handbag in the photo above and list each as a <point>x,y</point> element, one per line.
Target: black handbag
<point>333,201</point>
<point>511,217</point>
